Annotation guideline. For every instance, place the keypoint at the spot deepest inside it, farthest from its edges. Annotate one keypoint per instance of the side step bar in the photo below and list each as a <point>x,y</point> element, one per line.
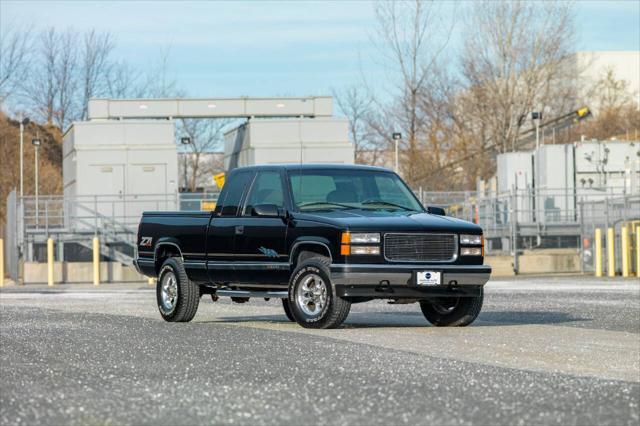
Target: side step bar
<point>256,293</point>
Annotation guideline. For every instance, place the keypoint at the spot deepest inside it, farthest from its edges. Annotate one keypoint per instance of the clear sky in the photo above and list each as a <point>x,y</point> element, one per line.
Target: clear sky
<point>270,48</point>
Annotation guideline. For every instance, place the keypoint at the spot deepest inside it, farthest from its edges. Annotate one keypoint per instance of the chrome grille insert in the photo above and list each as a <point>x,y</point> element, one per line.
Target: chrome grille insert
<point>420,247</point>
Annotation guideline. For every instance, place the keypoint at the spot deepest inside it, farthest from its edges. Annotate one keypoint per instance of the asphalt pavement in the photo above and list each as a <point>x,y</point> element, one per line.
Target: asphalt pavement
<point>543,351</point>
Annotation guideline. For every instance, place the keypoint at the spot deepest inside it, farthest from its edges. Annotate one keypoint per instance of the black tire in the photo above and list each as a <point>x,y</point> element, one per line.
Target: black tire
<point>335,309</point>
<point>186,301</point>
<point>452,311</point>
<point>287,310</point>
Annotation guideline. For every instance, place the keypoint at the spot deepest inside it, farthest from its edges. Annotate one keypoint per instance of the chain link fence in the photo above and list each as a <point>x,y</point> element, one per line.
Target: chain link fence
<point>543,219</point>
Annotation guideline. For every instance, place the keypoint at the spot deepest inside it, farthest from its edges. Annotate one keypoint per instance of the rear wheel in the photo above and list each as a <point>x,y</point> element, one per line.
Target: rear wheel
<point>312,297</point>
<point>452,311</point>
<point>177,296</point>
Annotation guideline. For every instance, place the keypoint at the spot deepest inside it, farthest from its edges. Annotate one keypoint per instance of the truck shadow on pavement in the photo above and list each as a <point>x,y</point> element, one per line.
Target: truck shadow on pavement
<point>391,319</point>
<point>527,318</point>
<point>494,318</point>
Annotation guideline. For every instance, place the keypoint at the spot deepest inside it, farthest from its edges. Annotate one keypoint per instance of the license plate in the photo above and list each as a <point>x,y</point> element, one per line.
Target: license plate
<point>428,278</point>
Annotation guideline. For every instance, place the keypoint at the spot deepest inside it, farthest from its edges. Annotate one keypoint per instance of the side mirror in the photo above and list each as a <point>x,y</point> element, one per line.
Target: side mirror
<point>267,210</point>
<point>436,210</point>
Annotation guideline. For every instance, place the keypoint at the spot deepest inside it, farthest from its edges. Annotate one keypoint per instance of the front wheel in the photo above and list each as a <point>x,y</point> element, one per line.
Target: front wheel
<point>312,297</point>
<point>452,311</point>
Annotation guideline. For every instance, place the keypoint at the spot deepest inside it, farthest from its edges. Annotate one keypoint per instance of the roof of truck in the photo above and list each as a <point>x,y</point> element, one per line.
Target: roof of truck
<point>315,166</point>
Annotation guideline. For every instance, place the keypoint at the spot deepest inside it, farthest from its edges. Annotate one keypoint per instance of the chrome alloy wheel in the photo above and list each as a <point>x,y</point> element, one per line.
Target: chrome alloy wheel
<point>311,295</point>
<point>169,291</point>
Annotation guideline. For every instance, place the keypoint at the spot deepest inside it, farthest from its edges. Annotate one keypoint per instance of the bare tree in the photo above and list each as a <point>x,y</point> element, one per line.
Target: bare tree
<point>159,82</point>
<point>616,111</point>
<point>124,81</point>
<point>51,91</point>
<point>66,79</point>
<point>41,88</point>
<point>94,67</point>
<point>611,93</point>
<point>412,38</point>
<point>71,68</point>
<point>15,48</point>
<point>357,105</point>
<point>517,59</point>
<point>206,136</point>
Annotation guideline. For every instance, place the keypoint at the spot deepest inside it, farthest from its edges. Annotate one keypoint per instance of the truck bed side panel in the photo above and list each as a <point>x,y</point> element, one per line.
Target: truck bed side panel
<point>186,230</point>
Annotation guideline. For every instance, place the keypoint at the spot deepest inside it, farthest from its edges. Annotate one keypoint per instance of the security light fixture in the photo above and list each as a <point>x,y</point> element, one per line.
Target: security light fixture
<point>396,136</point>
<point>185,140</point>
<point>36,142</point>
<point>536,116</point>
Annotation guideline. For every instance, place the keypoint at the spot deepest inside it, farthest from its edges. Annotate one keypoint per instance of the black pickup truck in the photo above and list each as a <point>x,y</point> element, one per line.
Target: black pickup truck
<point>319,237</point>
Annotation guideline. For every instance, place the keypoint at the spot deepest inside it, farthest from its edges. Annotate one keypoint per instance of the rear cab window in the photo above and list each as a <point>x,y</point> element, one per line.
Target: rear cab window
<point>232,192</point>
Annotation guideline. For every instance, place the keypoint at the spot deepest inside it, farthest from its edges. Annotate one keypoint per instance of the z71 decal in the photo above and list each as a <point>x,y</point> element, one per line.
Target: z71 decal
<point>146,241</point>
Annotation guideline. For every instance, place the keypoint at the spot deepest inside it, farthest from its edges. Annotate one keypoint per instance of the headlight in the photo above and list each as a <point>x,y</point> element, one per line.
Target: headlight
<point>360,238</point>
<point>471,251</point>
<point>471,240</point>
<point>347,239</point>
<point>370,250</point>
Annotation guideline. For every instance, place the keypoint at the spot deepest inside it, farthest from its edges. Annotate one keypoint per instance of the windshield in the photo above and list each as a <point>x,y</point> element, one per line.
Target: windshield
<point>350,189</point>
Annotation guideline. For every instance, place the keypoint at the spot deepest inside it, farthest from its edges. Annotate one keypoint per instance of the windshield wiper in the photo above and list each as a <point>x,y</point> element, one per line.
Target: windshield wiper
<point>387,203</point>
<point>324,203</point>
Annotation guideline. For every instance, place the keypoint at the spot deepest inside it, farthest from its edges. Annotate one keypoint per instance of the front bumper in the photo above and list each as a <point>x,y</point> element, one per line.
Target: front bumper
<point>397,281</point>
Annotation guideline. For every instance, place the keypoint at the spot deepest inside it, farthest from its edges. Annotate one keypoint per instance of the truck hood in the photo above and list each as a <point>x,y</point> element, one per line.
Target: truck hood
<point>385,221</point>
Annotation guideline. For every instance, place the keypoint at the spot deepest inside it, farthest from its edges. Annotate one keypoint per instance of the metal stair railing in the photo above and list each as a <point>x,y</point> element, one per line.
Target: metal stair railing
<point>113,233</point>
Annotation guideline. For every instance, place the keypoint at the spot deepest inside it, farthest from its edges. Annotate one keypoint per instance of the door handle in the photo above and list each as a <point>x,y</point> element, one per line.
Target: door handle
<point>239,230</point>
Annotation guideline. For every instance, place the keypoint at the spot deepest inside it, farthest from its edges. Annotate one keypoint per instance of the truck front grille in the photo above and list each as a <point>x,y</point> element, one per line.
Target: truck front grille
<point>420,247</point>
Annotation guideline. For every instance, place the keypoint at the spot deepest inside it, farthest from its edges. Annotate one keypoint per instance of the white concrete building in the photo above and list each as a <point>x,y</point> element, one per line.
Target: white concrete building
<point>128,166</point>
<point>278,141</point>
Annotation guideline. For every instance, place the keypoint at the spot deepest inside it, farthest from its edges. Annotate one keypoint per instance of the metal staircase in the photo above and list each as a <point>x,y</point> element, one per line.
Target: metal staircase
<point>77,223</point>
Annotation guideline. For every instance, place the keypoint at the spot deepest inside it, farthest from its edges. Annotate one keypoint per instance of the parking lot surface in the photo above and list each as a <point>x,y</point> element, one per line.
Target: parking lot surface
<point>543,351</point>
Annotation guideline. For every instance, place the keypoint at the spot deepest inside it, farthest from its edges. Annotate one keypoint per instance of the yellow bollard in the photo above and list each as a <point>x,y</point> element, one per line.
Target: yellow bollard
<point>1,262</point>
<point>50,261</point>
<point>638,251</point>
<point>624,239</point>
<point>96,261</point>
<point>598,254</point>
<point>611,253</point>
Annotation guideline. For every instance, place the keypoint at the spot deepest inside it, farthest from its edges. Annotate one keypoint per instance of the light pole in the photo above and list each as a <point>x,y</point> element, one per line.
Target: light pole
<point>396,136</point>
<point>185,140</point>
<point>23,122</point>
<point>536,117</point>
<point>36,143</point>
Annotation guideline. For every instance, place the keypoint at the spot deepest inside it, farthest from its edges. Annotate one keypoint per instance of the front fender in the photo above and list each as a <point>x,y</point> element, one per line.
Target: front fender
<point>299,243</point>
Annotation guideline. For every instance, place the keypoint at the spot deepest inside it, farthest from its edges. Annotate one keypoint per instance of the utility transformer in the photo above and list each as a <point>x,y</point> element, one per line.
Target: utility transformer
<point>549,196</point>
